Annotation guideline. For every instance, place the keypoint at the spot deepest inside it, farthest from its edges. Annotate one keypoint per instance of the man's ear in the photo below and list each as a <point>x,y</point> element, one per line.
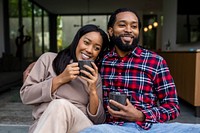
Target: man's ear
<point>110,31</point>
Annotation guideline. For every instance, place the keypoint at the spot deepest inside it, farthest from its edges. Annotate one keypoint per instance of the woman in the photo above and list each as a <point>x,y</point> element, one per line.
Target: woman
<point>63,101</point>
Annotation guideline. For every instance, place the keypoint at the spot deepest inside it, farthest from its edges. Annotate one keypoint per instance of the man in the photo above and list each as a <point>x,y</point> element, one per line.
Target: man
<point>143,75</point>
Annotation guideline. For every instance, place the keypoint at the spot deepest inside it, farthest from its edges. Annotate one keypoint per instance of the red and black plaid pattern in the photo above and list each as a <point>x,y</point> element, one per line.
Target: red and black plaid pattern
<point>145,76</point>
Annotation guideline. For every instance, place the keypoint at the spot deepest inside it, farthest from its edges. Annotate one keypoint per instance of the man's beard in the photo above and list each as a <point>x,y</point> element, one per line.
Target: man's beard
<point>116,40</point>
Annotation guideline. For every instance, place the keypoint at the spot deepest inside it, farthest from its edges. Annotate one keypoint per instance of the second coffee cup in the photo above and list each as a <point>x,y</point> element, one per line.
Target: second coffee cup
<point>117,96</point>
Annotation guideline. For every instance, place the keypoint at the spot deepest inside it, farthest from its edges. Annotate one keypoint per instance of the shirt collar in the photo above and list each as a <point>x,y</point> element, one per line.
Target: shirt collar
<point>136,52</point>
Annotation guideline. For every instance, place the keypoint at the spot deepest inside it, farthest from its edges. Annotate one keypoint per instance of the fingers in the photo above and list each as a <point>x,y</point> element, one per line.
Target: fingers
<point>72,69</point>
<point>117,114</point>
<point>75,64</point>
<point>128,112</point>
<point>25,75</point>
<point>117,104</point>
<point>31,65</point>
<point>27,71</point>
<point>71,72</point>
<point>128,102</point>
<point>94,66</point>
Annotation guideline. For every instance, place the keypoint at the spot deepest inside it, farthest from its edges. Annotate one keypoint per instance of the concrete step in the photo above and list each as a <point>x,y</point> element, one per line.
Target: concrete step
<point>15,117</point>
<point>8,128</point>
<point>15,113</point>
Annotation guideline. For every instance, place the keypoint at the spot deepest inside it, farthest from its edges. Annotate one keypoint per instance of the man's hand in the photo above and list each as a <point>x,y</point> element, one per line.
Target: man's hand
<point>27,71</point>
<point>128,112</point>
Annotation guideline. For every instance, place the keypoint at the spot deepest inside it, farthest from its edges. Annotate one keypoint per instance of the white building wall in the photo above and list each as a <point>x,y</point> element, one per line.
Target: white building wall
<point>169,23</point>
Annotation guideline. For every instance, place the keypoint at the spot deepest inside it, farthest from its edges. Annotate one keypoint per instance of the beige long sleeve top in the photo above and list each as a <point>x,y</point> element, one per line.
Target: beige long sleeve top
<point>36,90</point>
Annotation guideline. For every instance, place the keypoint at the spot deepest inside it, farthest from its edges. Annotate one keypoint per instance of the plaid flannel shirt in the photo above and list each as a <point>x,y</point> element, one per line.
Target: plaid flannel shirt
<point>145,76</point>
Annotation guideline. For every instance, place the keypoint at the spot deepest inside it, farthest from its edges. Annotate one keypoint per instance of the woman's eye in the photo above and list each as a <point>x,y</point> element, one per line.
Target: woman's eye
<point>86,43</point>
<point>97,48</point>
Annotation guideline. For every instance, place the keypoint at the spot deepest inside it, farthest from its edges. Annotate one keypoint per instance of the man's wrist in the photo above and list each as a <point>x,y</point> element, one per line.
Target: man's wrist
<point>142,117</point>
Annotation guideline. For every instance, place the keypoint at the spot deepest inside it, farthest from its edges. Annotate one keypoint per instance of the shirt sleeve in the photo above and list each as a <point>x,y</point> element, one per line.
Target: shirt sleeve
<point>168,105</point>
<point>37,87</point>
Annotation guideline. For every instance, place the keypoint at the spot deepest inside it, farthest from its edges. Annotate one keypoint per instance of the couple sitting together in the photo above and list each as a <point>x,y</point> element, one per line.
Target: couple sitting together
<point>66,102</point>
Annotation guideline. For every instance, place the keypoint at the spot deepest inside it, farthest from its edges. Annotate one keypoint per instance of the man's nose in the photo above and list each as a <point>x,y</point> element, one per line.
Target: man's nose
<point>128,29</point>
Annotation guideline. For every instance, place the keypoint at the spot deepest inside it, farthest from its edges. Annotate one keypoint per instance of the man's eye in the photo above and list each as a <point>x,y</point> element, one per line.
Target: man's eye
<point>121,25</point>
<point>134,26</point>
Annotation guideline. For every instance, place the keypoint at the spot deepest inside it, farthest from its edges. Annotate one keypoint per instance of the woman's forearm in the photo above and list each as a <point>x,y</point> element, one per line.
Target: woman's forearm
<point>56,83</point>
<point>94,102</point>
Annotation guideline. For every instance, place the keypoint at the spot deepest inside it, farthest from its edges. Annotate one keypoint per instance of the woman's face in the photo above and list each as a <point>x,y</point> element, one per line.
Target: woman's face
<point>89,46</point>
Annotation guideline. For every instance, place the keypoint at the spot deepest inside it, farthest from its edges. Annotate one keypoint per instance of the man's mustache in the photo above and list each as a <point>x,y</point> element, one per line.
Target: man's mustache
<point>126,35</point>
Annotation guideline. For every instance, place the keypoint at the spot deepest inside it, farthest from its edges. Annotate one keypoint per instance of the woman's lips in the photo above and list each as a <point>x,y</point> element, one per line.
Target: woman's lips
<point>85,57</point>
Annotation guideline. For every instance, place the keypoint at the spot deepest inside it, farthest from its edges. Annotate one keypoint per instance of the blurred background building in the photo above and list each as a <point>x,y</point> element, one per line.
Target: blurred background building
<point>171,28</point>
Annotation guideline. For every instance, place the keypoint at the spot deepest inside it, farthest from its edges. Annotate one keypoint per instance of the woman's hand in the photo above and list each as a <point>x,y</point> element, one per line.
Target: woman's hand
<point>92,81</point>
<point>71,72</point>
<point>27,71</point>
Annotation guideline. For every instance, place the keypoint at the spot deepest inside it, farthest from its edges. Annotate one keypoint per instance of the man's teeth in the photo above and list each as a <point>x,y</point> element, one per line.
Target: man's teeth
<point>126,38</point>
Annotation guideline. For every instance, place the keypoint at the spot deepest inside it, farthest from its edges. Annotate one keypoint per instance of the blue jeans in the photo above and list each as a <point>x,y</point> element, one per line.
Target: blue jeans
<point>134,128</point>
